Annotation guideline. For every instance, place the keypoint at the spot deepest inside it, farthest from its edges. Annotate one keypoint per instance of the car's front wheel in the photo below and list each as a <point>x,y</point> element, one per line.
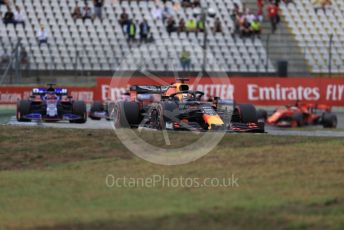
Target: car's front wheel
<point>23,108</point>
<point>247,113</point>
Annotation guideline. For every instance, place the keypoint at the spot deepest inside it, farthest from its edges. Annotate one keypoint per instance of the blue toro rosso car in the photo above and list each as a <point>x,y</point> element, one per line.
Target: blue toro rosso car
<point>51,104</point>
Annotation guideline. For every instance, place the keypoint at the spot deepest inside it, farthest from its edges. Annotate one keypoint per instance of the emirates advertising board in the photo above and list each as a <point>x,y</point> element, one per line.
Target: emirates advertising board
<point>264,91</point>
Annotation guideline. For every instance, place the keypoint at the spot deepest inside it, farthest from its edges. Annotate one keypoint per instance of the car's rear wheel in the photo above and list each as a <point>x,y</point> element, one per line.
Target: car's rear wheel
<point>23,108</point>
<point>329,120</point>
<point>126,114</point>
<point>79,109</point>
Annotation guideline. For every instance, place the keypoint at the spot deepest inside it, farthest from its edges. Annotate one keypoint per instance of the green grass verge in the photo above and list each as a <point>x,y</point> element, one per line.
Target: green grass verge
<point>55,179</point>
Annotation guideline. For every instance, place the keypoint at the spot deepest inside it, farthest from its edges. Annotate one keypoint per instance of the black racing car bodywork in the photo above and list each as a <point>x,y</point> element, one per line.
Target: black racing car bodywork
<point>153,107</point>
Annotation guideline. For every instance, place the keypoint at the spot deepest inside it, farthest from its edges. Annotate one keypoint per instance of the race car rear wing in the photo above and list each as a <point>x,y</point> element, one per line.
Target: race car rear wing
<point>43,91</point>
<point>149,89</point>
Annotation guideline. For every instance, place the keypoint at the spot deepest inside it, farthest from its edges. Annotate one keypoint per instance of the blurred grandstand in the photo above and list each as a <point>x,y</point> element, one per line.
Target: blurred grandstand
<point>311,41</point>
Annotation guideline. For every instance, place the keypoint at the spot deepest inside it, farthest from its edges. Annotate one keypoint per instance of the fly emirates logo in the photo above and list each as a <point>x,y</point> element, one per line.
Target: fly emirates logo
<point>278,92</point>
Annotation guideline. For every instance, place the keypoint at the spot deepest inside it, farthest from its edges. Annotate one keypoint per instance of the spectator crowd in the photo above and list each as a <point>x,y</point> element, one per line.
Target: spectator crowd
<point>131,26</point>
<point>86,11</point>
<point>13,16</point>
<point>247,23</point>
<point>322,4</point>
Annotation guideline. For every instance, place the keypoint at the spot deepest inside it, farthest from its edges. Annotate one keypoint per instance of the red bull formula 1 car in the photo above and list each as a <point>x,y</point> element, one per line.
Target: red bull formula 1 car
<point>175,107</point>
<point>51,104</point>
<point>300,115</point>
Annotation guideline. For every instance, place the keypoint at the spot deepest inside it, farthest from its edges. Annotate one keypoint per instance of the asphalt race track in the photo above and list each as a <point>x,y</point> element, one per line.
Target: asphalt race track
<point>103,124</point>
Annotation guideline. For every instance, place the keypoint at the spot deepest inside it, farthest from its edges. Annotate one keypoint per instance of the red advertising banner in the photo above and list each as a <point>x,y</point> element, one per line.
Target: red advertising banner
<point>265,91</point>
<point>10,94</point>
<point>113,88</point>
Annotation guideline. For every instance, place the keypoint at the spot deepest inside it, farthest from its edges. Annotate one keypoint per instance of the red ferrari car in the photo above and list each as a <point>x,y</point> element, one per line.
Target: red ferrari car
<point>300,115</point>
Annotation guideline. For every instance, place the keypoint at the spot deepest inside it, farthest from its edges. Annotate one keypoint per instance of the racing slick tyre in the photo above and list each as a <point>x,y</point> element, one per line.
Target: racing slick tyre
<point>96,106</point>
<point>262,114</point>
<point>298,118</point>
<point>79,109</point>
<point>329,120</point>
<point>248,113</point>
<point>23,108</point>
<point>126,114</point>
